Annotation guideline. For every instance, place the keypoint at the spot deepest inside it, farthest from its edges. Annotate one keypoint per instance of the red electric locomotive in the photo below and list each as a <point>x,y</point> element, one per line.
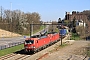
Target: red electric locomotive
<point>37,42</point>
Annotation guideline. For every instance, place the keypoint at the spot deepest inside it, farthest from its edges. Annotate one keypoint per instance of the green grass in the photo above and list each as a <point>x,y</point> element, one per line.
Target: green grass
<point>57,30</point>
<point>63,45</point>
<point>75,37</point>
<point>11,50</point>
<point>88,50</point>
<point>35,31</point>
<point>42,27</point>
<point>88,53</point>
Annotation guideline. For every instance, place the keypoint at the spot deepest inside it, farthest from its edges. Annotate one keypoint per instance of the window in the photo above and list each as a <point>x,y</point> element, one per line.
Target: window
<point>29,41</point>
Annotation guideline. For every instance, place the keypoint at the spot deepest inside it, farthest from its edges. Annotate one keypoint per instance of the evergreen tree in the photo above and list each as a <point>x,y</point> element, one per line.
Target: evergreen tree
<point>59,20</point>
<point>74,22</point>
<point>74,25</point>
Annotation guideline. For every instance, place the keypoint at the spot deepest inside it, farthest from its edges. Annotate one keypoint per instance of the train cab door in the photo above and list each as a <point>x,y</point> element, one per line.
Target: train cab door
<point>37,43</point>
<point>50,37</point>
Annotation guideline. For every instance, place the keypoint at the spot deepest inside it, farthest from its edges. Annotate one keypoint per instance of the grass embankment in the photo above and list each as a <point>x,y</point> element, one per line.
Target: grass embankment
<point>75,36</point>
<point>88,53</point>
<point>11,50</point>
<point>16,48</point>
<point>35,31</point>
<point>42,27</point>
<point>88,50</point>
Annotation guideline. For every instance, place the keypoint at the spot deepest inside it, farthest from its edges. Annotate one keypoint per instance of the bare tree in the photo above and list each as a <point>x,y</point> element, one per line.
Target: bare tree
<point>18,21</point>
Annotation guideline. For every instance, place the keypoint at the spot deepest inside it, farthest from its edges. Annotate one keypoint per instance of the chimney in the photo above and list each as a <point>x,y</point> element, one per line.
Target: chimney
<point>74,12</point>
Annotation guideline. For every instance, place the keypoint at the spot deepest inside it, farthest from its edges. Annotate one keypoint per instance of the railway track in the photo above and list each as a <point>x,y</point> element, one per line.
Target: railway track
<point>77,57</point>
<point>7,56</point>
<point>24,57</point>
<point>14,56</point>
<point>18,56</point>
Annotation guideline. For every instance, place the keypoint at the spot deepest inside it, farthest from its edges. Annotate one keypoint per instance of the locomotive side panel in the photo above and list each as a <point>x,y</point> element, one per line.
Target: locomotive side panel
<point>42,43</point>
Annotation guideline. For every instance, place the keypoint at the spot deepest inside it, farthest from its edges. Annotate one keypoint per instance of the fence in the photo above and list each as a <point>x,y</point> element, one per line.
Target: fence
<point>10,45</point>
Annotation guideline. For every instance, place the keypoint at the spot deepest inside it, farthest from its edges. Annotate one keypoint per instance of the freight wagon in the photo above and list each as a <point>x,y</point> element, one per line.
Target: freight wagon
<point>63,32</point>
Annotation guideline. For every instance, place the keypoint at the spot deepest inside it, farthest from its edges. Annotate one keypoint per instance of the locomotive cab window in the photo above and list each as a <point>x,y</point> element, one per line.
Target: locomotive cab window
<point>29,41</point>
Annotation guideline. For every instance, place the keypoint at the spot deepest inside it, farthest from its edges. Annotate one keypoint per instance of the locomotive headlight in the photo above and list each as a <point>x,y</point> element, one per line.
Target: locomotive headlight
<point>32,46</point>
<point>28,47</point>
<point>25,43</point>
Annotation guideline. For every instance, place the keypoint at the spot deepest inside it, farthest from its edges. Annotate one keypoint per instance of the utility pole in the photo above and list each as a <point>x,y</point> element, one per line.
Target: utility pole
<point>32,28</point>
<point>11,17</point>
<point>52,26</point>
<point>60,28</point>
<point>61,34</point>
<point>1,13</point>
<point>11,12</point>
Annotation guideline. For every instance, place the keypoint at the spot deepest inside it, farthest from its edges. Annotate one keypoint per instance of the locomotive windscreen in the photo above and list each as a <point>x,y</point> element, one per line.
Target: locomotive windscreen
<point>29,41</point>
